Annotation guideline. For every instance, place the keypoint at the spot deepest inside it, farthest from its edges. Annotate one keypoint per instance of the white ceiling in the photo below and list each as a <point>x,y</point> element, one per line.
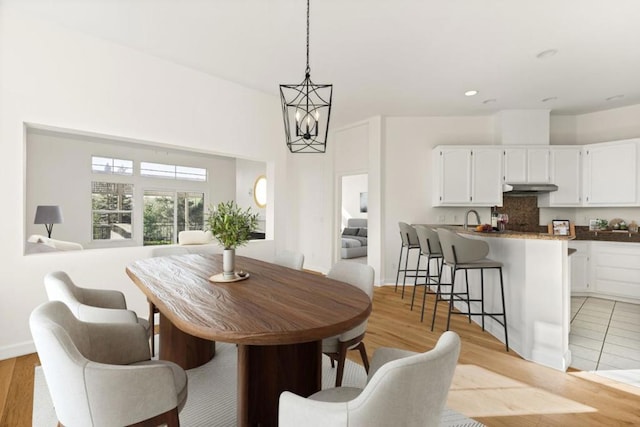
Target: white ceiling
<point>390,57</point>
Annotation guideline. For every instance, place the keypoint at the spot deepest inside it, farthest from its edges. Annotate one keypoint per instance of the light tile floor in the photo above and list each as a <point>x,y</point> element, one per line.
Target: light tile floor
<point>605,334</point>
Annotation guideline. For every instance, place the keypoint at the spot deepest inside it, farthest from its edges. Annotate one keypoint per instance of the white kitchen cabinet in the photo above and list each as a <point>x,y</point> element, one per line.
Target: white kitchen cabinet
<point>580,274</point>
<point>515,165</point>
<point>486,179</point>
<point>610,174</point>
<point>616,269</point>
<point>526,165</point>
<point>467,176</point>
<point>454,167</point>
<point>566,173</point>
<point>538,165</point>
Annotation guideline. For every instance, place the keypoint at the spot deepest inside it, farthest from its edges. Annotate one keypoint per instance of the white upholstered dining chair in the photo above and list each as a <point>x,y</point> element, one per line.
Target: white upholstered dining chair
<point>336,347</point>
<point>290,259</point>
<point>403,389</point>
<point>91,305</point>
<point>100,374</point>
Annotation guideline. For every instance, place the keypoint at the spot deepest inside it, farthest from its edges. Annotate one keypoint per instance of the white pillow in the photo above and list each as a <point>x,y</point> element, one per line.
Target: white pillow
<point>194,237</point>
<point>37,238</point>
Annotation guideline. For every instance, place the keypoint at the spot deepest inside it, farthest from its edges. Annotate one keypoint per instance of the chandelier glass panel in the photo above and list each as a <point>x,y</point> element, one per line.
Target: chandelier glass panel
<point>306,109</point>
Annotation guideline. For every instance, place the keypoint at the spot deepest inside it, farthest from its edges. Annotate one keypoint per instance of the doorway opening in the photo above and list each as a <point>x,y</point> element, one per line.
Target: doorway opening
<point>353,218</point>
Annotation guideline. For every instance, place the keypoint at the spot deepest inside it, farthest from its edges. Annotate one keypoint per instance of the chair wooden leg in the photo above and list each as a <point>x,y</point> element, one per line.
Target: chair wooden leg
<point>363,355</point>
<point>342,356</point>
<point>170,418</point>
<point>152,326</point>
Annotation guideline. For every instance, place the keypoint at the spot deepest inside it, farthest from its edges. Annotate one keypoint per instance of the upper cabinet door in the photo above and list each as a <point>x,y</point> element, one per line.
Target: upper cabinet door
<point>465,176</point>
<point>610,176</point>
<point>538,165</point>
<point>455,176</point>
<point>566,173</point>
<point>487,176</point>
<point>515,165</point>
<point>526,165</point>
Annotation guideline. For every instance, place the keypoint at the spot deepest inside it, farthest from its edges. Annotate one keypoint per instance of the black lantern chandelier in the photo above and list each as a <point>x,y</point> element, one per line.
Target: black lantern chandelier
<point>306,108</point>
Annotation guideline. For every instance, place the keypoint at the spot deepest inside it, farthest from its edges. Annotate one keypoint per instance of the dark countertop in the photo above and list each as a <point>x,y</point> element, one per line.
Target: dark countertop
<point>582,234</point>
<point>507,234</point>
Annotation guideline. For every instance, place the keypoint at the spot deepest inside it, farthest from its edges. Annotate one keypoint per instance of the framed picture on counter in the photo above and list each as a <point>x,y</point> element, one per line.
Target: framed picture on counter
<point>560,227</point>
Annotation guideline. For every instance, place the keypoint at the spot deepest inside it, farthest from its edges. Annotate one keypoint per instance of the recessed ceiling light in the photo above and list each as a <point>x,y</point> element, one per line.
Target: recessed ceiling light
<point>551,98</point>
<point>471,93</point>
<point>613,98</point>
<point>547,53</point>
<point>489,101</point>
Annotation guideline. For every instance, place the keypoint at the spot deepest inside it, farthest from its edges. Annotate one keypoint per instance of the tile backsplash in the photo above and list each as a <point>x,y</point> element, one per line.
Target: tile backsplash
<point>524,214</point>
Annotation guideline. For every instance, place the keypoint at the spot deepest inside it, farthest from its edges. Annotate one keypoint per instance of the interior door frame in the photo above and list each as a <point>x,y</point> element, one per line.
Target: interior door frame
<point>338,204</point>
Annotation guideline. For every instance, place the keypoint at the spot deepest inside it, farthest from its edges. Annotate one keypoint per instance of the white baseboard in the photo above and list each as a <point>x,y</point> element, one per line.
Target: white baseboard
<point>15,350</point>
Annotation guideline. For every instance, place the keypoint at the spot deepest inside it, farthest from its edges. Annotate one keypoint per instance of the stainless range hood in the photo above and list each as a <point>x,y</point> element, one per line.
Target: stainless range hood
<point>528,189</point>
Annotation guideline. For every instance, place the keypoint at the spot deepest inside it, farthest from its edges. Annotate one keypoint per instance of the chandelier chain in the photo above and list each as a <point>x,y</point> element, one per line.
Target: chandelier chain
<point>308,70</point>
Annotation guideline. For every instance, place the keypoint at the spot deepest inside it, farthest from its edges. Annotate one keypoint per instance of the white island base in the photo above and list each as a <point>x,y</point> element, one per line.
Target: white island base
<point>537,294</point>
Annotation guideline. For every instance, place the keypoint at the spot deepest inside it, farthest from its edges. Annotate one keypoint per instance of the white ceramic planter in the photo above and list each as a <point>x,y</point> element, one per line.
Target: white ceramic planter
<point>229,263</point>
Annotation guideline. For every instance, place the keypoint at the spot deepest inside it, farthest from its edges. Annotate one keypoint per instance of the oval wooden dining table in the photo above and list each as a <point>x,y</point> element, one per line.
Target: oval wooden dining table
<point>277,317</point>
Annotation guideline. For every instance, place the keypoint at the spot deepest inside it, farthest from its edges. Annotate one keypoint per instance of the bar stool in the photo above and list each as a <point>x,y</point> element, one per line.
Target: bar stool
<point>410,242</point>
<point>431,250</point>
<point>465,254</point>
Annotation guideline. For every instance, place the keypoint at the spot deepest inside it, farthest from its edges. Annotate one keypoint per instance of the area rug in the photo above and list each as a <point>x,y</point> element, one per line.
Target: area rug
<point>212,393</point>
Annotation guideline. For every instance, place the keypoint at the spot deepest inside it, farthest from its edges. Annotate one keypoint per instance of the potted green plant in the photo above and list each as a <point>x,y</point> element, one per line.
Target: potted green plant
<point>232,227</point>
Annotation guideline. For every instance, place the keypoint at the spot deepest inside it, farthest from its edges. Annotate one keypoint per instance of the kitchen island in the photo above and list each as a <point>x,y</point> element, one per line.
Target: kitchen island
<point>537,292</point>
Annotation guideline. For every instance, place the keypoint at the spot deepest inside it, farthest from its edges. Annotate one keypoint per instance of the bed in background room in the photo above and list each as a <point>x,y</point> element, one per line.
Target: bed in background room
<point>354,238</point>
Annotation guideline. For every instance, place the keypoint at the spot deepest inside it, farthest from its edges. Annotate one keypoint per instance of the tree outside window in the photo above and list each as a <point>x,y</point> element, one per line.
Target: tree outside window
<point>112,210</point>
<point>167,213</point>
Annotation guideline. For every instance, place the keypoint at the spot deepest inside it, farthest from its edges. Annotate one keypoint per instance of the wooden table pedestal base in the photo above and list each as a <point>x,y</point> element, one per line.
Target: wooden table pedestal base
<point>266,371</point>
<point>183,349</point>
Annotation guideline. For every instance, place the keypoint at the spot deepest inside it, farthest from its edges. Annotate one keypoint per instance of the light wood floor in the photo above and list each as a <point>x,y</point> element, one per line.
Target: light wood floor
<point>490,385</point>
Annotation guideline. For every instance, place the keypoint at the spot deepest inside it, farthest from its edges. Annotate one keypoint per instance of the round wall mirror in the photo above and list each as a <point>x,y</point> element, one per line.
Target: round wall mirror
<point>260,191</point>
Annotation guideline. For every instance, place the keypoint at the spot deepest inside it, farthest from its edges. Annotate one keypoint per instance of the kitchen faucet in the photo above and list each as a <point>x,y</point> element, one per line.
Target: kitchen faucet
<point>466,218</point>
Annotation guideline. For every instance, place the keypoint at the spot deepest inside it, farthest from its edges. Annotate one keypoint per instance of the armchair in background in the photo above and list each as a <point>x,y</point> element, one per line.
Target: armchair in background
<point>336,347</point>
<point>290,259</point>
<point>91,305</point>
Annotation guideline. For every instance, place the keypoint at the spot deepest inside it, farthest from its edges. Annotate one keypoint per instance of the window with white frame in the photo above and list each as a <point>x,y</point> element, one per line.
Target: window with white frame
<point>160,170</point>
<point>165,210</point>
<point>111,210</point>
<point>111,166</point>
<point>167,213</point>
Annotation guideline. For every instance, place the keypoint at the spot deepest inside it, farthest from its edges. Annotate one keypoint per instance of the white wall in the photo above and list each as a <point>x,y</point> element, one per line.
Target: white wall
<point>247,171</point>
<point>312,216</point>
<point>562,130</point>
<point>609,125</point>
<point>407,182</point>
<point>55,77</point>
<point>352,188</point>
